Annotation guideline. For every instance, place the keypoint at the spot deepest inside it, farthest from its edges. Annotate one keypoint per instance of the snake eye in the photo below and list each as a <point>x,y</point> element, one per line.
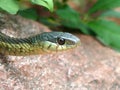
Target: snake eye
<point>60,41</point>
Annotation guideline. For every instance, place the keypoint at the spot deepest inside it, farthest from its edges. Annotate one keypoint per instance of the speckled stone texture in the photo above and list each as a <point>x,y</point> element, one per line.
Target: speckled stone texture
<point>90,66</point>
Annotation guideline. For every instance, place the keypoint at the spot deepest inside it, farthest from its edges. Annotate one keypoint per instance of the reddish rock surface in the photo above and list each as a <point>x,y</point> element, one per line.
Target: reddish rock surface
<point>90,66</point>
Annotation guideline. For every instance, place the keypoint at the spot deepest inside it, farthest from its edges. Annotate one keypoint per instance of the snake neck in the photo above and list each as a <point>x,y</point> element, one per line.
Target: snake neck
<point>19,46</point>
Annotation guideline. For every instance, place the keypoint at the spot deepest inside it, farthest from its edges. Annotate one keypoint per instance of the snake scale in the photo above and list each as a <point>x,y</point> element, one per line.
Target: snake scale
<point>46,42</point>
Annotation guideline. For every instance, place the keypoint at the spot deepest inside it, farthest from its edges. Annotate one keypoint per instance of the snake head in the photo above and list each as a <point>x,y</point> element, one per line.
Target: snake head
<point>58,41</point>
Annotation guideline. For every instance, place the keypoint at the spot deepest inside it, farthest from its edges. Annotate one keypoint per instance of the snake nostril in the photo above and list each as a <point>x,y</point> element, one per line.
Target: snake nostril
<point>60,41</point>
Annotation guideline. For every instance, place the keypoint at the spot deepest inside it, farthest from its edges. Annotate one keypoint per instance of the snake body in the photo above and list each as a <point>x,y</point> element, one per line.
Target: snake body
<point>46,42</point>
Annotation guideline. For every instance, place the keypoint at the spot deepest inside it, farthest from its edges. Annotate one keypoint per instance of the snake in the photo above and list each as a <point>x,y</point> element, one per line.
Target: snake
<point>43,43</point>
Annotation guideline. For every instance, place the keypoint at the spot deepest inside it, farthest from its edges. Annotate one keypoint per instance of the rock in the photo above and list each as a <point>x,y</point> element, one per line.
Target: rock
<point>91,66</point>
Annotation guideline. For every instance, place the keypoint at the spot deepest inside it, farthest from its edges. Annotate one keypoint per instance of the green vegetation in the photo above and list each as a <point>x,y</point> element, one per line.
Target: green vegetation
<point>95,20</point>
<point>12,6</point>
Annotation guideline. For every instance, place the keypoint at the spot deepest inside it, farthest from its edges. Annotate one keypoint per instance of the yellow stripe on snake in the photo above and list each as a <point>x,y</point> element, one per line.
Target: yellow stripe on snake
<point>46,42</point>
